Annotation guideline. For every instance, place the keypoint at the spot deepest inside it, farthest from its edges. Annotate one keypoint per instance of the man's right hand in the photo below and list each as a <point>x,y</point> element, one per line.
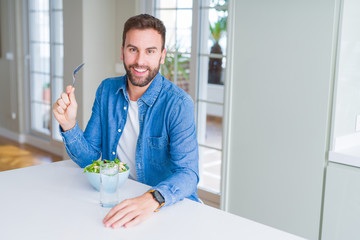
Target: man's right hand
<point>65,109</point>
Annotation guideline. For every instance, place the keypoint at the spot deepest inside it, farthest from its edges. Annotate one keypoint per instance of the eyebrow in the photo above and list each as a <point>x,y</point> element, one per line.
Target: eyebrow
<point>130,45</point>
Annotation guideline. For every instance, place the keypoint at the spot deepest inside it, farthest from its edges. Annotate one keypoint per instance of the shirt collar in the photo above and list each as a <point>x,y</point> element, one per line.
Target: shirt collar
<point>151,93</point>
<point>123,83</point>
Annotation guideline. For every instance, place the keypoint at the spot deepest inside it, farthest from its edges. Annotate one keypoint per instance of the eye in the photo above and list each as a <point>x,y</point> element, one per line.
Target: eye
<point>151,51</point>
<point>132,50</point>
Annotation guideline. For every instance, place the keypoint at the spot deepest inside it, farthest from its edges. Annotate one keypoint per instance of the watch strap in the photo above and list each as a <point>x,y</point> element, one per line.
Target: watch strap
<point>161,203</point>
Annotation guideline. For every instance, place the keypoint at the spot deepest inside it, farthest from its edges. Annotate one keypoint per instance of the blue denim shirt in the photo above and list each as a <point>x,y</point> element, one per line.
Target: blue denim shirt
<point>166,155</point>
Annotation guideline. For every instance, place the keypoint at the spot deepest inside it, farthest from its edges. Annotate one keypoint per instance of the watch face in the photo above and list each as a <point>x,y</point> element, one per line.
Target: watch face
<point>158,197</point>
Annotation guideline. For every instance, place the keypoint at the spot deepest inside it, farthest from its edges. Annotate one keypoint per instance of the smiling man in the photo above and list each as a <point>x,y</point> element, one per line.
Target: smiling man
<point>144,120</point>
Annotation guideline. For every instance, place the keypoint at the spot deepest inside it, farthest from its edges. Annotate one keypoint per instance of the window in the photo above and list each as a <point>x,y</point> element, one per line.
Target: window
<point>46,54</point>
<point>177,17</point>
<point>196,43</point>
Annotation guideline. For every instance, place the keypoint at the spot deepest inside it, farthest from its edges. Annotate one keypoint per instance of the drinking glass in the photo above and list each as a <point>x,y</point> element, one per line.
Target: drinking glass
<point>109,184</point>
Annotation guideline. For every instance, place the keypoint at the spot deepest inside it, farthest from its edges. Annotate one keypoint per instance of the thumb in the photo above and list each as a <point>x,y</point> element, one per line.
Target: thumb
<point>72,95</point>
<point>69,89</point>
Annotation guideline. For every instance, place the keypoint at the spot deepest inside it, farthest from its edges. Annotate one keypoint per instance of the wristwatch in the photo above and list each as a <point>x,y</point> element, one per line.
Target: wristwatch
<point>158,197</point>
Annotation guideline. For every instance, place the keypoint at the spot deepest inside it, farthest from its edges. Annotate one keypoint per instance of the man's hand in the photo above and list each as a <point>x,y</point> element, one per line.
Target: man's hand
<point>130,212</point>
<point>65,109</point>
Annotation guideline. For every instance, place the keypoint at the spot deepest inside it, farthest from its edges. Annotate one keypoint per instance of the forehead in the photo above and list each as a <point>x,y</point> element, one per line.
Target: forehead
<point>143,38</point>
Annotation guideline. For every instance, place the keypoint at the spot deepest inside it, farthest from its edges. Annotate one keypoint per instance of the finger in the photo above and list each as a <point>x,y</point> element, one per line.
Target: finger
<point>119,216</point>
<point>54,107</point>
<point>115,209</point>
<point>60,110</point>
<point>133,222</point>
<point>65,98</point>
<point>125,219</point>
<point>111,213</point>
<point>60,103</point>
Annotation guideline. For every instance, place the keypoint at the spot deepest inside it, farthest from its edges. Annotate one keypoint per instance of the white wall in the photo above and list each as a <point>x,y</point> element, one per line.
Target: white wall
<point>92,34</point>
<point>124,10</point>
<point>99,48</point>
<point>73,50</point>
<point>8,74</point>
<point>280,110</point>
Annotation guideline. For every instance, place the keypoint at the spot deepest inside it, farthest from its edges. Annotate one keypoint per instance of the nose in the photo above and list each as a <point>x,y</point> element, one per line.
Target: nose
<point>140,59</point>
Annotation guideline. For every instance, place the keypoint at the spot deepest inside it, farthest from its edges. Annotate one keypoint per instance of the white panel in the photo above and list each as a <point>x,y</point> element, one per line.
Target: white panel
<point>342,203</point>
<point>215,93</point>
<point>283,56</point>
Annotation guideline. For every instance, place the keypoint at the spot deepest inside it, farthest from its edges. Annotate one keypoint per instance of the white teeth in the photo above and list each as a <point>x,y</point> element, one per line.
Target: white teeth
<point>140,70</point>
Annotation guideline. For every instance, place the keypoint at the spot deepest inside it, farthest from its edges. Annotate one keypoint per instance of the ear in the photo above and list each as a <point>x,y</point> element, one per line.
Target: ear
<point>163,54</point>
<point>122,53</point>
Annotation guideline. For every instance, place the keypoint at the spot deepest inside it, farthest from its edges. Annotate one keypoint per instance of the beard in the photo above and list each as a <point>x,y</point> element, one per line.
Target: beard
<point>141,81</point>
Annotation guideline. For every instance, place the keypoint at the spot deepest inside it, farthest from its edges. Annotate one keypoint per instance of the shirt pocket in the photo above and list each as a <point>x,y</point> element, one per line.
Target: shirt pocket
<point>158,150</point>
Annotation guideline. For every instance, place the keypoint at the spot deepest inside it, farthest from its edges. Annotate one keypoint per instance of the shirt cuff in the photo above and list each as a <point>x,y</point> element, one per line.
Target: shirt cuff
<point>71,135</point>
<point>168,193</point>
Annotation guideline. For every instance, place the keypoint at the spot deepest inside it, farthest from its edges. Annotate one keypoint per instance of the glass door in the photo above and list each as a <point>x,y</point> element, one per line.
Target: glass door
<point>196,44</point>
<point>211,57</point>
<point>177,17</point>
<point>46,54</point>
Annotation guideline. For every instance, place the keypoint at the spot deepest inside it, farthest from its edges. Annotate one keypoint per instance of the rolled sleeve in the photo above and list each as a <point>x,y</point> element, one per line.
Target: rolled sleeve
<point>78,148</point>
<point>184,156</point>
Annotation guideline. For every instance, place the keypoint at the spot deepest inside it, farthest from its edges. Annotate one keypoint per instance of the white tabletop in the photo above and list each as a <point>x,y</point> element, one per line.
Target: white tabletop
<point>55,201</point>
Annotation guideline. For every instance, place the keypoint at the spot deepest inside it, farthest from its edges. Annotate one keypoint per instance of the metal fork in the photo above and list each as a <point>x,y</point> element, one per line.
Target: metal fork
<point>75,72</point>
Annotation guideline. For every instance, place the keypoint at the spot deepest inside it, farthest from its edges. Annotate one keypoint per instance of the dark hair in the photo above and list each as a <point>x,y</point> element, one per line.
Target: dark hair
<point>145,21</point>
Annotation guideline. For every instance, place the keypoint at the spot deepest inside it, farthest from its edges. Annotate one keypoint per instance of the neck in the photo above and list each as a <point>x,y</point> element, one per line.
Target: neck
<point>136,92</point>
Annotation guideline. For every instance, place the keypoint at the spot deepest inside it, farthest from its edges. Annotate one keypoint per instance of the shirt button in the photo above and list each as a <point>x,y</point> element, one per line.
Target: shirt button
<point>113,153</point>
<point>119,130</point>
<point>124,108</point>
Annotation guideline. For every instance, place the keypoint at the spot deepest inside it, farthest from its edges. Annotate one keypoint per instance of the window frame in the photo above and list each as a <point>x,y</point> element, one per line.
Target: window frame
<point>214,198</point>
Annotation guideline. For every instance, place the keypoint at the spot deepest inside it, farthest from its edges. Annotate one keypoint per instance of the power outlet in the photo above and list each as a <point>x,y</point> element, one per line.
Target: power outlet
<point>357,125</point>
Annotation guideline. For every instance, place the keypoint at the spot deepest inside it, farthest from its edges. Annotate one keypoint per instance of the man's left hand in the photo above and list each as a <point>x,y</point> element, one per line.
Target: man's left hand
<point>131,212</point>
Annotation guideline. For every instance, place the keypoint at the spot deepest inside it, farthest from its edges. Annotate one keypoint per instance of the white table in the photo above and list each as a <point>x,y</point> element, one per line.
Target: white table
<point>55,201</point>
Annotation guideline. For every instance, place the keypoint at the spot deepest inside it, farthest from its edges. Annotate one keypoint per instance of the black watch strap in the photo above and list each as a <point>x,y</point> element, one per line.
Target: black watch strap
<point>158,197</point>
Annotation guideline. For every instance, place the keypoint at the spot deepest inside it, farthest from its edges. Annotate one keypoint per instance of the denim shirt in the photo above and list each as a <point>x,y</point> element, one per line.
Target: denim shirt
<point>166,155</point>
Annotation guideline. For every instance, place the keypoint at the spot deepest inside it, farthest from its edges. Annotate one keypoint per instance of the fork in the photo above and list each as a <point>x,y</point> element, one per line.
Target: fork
<point>75,72</point>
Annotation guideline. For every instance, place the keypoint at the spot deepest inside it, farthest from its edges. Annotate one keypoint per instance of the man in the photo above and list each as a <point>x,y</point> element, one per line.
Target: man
<point>144,120</point>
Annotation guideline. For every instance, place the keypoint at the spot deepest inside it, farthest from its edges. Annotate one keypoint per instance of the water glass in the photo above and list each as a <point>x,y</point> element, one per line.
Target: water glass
<point>109,184</point>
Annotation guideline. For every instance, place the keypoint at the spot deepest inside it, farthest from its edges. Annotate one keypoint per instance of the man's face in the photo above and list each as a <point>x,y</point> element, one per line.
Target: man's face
<point>142,55</point>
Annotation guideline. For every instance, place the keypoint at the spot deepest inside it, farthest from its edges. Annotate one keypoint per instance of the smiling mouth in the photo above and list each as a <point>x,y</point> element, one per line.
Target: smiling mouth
<point>140,70</point>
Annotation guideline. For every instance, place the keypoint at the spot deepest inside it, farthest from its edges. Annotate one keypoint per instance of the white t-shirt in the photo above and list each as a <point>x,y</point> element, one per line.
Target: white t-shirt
<point>127,144</point>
